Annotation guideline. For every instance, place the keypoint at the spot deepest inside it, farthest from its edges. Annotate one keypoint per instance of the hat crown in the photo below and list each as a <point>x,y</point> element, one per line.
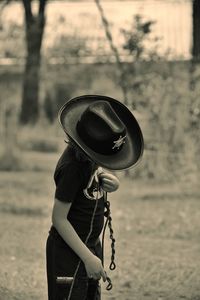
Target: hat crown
<point>101,129</point>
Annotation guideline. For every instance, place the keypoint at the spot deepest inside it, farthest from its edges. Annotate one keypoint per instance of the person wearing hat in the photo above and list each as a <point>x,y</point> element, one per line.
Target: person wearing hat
<point>103,136</point>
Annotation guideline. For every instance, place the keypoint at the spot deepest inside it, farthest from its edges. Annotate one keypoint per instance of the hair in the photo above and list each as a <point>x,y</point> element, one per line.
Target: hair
<point>78,152</point>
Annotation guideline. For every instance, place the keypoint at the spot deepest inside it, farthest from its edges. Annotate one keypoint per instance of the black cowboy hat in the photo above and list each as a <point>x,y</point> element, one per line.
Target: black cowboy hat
<point>104,129</point>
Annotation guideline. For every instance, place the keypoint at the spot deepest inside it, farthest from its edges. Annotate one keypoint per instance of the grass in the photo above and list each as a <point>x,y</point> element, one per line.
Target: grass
<point>158,242</point>
<point>156,228</point>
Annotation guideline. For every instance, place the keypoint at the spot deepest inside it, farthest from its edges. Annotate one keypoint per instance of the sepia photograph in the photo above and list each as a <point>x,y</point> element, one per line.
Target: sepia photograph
<point>99,149</point>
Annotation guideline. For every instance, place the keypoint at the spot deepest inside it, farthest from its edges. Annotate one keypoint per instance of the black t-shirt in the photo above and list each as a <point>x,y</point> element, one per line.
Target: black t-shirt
<point>75,184</point>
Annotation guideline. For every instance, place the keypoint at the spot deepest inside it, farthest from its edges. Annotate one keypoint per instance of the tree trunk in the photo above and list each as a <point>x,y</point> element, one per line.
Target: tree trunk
<point>34,34</point>
<point>196,31</point>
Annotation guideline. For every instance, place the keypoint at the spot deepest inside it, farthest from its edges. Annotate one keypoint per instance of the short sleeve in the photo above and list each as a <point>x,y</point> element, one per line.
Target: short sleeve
<point>68,182</point>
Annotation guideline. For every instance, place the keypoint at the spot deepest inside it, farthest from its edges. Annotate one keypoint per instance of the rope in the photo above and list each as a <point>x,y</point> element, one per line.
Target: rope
<point>86,240</point>
<point>108,215</point>
<point>108,222</point>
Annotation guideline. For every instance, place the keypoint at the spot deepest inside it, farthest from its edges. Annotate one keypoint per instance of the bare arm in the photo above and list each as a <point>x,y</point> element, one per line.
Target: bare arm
<point>65,229</point>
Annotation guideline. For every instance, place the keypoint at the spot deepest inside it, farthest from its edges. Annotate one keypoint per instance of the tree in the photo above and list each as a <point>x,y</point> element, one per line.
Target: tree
<point>34,33</point>
<point>196,30</point>
<point>34,25</point>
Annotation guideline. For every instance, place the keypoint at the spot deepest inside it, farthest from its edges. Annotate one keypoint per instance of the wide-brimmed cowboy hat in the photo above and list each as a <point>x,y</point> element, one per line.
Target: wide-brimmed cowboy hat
<point>104,129</point>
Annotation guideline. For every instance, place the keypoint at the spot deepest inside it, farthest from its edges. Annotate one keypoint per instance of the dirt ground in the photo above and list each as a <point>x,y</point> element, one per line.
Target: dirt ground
<point>156,226</point>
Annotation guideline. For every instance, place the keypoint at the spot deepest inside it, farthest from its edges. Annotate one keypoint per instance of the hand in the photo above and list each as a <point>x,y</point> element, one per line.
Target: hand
<point>94,268</point>
<point>109,182</point>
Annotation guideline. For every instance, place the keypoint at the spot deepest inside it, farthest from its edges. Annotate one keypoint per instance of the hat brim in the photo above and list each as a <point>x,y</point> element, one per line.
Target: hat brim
<point>131,151</point>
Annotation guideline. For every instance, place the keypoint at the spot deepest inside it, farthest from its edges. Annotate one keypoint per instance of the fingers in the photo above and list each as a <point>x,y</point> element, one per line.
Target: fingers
<point>109,185</point>
<point>94,268</point>
<point>108,176</point>
<point>97,276</point>
<point>108,181</point>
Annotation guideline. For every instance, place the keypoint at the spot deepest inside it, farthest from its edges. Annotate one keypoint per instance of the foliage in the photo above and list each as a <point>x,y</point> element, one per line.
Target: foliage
<point>168,111</point>
<point>41,137</point>
<point>162,94</point>
<point>13,36</point>
<point>171,141</point>
<point>137,37</point>
<point>70,45</point>
<point>55,98</point>
<point>73,80</point>
<point>138,44</point>
<point>40,145</point>
<point>11,162</point>
<point>166,94</point>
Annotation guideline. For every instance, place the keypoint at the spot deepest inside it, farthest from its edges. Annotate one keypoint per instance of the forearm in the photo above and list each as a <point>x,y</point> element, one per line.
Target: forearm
<point>69,235</point>
<point>93,264</point>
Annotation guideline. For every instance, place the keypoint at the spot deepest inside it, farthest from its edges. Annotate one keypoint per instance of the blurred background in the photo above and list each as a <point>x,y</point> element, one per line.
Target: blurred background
<point>145,53</point>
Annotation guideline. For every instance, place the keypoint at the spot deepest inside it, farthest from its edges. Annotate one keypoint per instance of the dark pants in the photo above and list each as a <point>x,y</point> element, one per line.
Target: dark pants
<point>61,263</point>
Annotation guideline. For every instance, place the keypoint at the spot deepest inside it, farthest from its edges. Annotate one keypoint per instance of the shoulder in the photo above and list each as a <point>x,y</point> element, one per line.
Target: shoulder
<point>69,181</point>
<point>70,169</point>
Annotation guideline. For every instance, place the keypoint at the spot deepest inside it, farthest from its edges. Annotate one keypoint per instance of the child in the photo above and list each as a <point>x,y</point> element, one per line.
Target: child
<point>102,133</point>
